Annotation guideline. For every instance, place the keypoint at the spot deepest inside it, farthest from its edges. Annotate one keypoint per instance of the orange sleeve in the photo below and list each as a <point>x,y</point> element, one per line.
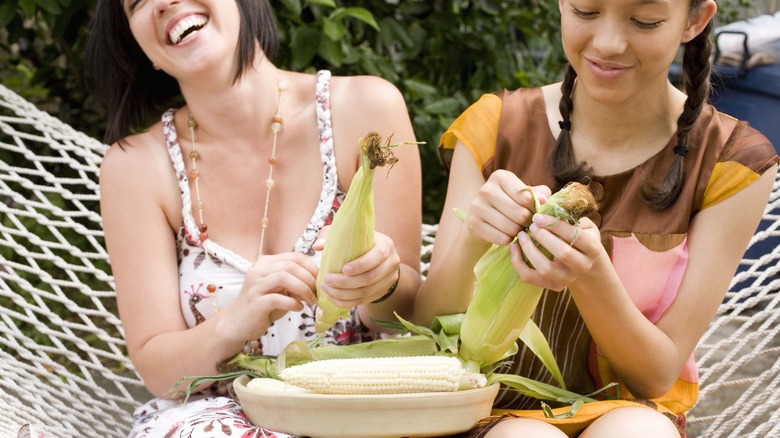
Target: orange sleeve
<point>477,128</point>
<point>745,159</point>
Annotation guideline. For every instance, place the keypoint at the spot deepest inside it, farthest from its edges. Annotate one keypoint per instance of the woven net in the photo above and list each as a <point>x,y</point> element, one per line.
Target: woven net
<point>63,364</point>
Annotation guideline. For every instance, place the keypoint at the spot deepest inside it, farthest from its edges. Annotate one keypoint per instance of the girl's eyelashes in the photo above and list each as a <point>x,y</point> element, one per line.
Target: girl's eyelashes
<point>642,24</point>
<point>647,25</point>
<point>583,14</point>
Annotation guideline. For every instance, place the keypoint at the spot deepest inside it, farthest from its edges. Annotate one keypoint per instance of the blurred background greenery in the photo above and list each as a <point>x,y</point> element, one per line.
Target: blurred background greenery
<point>442,54</point>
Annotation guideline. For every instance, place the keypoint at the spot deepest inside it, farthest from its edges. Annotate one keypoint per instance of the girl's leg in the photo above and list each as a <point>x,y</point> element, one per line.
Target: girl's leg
<point>525,427</point>
<point>636,422</point>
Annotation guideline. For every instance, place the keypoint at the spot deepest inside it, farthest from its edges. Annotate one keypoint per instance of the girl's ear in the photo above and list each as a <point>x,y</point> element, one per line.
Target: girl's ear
<point>699,19</point>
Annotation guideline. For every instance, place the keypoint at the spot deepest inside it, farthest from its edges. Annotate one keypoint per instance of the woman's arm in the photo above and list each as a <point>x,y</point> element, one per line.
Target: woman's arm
<point>362,104</point>
<point>139,204</point>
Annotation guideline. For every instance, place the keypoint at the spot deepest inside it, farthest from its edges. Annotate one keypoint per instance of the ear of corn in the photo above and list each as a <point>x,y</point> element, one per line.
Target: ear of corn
<point>352,230</point>
<point>388,375</point>
<point>298,352</point>
<point>450,354</point>
<point>503,303</point>
<point>501,306</point>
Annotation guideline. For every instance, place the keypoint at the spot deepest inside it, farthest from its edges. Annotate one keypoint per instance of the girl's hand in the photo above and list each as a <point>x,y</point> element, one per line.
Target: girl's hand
<point>367,278</point>
<point>574,251</point>
<point>501,209</point>
<point>274,285</point>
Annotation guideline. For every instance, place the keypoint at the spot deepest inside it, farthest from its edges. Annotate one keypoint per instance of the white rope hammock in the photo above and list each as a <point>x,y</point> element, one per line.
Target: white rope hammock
<point>62,351</point>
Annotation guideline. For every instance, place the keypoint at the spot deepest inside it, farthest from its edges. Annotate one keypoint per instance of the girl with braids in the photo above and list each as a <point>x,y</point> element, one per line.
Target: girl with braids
<point>681,189</point>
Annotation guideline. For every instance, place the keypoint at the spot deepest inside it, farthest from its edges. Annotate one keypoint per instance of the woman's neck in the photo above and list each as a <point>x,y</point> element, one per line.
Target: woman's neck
<point>237,105</point>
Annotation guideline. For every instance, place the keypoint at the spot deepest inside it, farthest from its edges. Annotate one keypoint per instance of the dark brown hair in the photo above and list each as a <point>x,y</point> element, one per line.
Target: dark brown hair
<point>696,79</point>
<point>134,92</point>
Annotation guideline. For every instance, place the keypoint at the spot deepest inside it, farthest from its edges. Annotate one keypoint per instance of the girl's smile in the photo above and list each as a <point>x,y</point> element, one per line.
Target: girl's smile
<point>606,70</point>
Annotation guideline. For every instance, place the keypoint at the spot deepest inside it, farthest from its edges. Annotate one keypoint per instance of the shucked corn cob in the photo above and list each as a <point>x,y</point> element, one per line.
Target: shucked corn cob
<point>503,303</point>
<point>352,230</point>
<point>383,375</point>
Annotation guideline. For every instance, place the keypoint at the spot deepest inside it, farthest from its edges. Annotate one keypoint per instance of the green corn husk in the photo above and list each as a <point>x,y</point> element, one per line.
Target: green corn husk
<point>499,313</point>
<point>352,231</point>
<point>503,303</point>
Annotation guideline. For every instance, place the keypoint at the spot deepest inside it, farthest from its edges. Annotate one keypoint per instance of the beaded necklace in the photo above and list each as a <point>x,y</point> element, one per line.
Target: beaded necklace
<point>276,127</point>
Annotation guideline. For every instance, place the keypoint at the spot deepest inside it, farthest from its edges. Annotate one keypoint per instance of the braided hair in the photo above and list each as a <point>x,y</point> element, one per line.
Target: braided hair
<point>696,78</point>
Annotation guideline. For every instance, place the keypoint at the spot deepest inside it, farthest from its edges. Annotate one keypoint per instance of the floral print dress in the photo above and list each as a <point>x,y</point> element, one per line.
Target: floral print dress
<point>211,277</point>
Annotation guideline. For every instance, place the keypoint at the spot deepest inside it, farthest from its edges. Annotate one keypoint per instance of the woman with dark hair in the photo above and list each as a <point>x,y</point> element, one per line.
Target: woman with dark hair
<point>213,214</point>
<point>680,187</point>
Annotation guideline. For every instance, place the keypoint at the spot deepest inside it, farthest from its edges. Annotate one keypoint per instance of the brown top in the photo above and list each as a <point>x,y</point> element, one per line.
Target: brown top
<point>510,130</point>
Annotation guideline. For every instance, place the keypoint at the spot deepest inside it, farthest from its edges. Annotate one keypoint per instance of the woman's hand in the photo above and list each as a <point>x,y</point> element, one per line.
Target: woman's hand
<point>574,250</point>
<point>365,279</point>
<point>501,209</point>
<point>274,285</point>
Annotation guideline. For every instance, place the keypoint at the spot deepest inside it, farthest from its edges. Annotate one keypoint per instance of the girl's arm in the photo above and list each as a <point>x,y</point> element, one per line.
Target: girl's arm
<point>497,211</point>
<point>649,357</point>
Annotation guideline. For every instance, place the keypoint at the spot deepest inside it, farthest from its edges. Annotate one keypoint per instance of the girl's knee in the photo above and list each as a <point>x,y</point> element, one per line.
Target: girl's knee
<point>636,422</point>
<point>515,427</point>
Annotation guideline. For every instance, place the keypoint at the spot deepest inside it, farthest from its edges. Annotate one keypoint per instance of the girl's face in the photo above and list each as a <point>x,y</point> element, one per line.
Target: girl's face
<point>186,38</point>
<point>620,48</point>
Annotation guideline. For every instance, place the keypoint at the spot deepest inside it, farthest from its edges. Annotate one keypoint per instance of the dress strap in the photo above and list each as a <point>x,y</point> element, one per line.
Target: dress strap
<point>329,175</point>
<point>191,231</point>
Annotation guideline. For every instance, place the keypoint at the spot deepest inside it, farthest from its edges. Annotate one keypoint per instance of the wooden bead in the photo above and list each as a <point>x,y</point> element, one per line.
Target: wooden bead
<point>194,174</point>
<point>211,288</point>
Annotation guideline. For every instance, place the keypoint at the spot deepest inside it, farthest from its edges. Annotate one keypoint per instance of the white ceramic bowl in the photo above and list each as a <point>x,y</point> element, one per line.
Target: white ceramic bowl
<point>367,416</point>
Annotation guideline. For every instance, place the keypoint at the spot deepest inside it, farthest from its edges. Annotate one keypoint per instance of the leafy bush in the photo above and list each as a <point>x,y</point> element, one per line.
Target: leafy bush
<point>442,54</point>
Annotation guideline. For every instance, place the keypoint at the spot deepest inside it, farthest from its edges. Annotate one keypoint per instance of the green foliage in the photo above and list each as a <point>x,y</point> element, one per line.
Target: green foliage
<point>41,48</point>
<point>442,54</point>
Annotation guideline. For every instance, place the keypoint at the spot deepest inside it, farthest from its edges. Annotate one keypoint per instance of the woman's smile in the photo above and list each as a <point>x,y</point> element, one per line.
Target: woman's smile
<point>186,28</point>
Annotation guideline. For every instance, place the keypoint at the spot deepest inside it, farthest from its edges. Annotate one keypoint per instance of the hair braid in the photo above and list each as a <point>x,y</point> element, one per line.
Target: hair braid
<point>563,164</point>
<point>696,76</point>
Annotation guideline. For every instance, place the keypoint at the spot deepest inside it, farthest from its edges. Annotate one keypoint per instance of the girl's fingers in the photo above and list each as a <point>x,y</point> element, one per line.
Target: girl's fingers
<point>496,223</point>
<point>503,208</point>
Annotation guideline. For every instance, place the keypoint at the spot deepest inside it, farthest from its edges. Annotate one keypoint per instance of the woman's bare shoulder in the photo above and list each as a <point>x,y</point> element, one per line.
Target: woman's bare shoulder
<point>136,151</point>
<point>140,160</point>
<point>367,91</point>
